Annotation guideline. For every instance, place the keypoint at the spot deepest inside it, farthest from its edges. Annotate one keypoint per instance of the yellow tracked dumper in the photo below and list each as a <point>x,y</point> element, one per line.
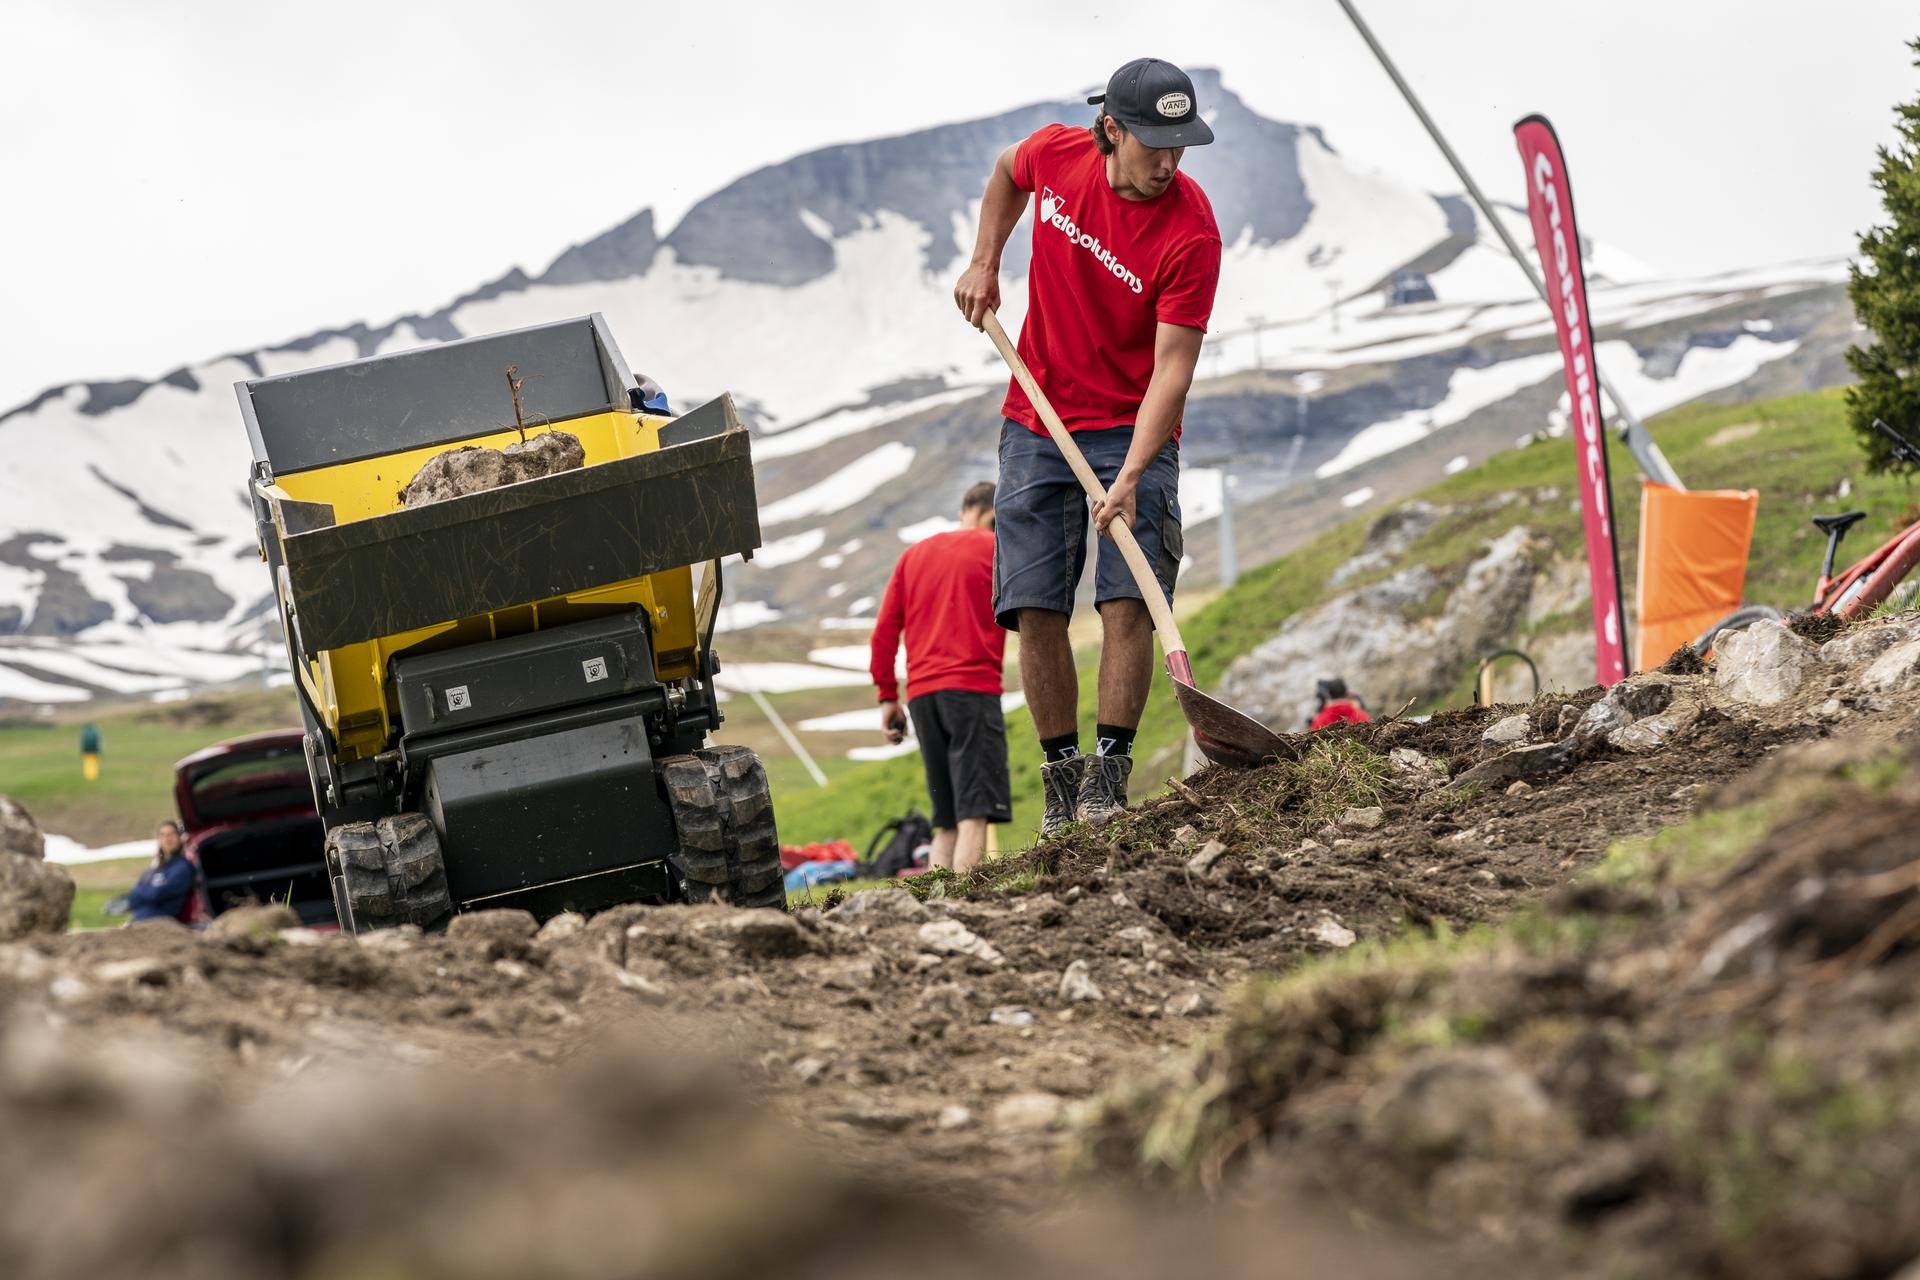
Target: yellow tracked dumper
<point>507,695</point>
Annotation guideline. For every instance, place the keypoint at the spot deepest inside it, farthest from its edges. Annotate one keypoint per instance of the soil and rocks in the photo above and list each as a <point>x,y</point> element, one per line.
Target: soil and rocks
<point>36,896</point>
<point>940,1054</point>
<point>477,468</point>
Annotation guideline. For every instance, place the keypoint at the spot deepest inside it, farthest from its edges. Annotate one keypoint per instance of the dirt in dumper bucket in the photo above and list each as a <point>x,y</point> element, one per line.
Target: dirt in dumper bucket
<point>477,468</point>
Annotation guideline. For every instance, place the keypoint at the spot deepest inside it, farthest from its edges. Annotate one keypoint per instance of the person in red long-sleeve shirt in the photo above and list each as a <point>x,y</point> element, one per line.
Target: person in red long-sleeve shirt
<point>941,597</point>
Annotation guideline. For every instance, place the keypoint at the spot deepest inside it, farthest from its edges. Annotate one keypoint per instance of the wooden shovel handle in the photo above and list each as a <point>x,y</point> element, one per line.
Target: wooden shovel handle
<point>1118,530</point>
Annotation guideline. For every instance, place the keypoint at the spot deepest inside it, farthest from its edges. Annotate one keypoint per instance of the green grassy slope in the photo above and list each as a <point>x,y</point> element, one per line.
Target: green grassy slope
<point>1795,450</point>
<point>40,759</point>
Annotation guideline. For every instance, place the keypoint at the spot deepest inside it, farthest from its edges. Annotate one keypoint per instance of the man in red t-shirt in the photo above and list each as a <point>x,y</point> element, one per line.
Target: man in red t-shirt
<point>941,596</point>
<point>1126,257</point>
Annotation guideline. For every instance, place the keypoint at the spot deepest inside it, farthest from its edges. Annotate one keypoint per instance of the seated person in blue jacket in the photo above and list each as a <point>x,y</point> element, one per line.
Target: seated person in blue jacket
<point>162,890</point>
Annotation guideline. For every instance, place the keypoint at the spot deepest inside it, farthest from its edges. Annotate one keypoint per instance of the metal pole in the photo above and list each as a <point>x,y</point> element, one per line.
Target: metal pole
<point>1645,451</point>
<point>780,727</point>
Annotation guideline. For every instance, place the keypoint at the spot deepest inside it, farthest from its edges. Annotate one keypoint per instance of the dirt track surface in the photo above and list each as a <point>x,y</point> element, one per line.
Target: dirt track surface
<point>682,1090</point>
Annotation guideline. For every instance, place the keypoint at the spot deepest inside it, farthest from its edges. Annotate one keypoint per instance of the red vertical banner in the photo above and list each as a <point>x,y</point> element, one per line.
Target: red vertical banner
<point>1550,206</point>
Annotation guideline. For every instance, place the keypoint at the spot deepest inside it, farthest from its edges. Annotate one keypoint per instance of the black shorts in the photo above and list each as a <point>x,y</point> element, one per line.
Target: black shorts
<point>963,744</point>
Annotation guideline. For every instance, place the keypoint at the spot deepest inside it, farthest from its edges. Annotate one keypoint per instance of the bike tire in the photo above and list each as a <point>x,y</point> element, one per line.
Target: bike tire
<point>1745,616</point>
<point>1881,583</point>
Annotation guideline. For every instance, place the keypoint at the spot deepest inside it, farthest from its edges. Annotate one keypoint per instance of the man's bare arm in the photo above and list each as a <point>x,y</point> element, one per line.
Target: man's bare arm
<point>1176,352</point>
<point>978,290</point>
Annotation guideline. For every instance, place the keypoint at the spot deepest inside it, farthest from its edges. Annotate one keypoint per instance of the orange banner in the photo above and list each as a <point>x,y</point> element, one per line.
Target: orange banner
<point>1693,563</point>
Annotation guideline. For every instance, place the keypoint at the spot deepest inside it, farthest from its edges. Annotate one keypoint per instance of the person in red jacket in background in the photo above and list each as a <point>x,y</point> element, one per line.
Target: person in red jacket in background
<point>941,597</point>
<point>1337,706</point>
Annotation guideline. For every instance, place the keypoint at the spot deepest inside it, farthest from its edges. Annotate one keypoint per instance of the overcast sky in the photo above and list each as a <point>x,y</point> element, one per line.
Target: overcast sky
<point>198,176</point>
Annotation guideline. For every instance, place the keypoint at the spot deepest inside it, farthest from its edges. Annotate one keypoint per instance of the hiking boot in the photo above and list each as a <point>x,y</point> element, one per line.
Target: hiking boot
<point>1060,781</point>
<point>1103,788</point>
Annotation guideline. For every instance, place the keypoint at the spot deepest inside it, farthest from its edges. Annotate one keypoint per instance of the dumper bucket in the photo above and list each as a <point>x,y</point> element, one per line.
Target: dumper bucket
<point>356,566</point>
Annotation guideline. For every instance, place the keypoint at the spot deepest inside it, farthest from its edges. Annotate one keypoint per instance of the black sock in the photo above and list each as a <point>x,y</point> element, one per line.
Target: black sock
<point>1113,740</point>
<point>1064,747</point>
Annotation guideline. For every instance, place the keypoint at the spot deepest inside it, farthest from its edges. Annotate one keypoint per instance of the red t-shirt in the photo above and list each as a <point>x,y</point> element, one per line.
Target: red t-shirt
<point>1339,711</point>
<point>941,595</point>
<point>1106,271</point>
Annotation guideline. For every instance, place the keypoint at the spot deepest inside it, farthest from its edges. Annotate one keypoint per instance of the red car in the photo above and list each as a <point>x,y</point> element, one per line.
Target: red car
<point>246,810</point>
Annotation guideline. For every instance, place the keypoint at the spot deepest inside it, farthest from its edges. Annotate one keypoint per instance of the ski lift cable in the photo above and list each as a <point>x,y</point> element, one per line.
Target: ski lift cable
<point>1645,452</point>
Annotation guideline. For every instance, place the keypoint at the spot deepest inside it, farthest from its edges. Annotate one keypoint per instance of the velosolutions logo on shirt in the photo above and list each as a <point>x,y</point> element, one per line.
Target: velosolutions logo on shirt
<point>1054,216</point>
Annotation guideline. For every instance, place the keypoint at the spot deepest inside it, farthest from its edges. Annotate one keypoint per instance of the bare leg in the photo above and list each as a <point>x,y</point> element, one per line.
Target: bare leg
<point>942,855</point>
<point>1047,674</point>
<point>1126,661</point>
<point>971,845</point>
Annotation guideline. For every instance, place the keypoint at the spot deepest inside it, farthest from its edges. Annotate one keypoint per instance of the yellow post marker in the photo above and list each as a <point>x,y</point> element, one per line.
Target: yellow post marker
<point>90,752</point>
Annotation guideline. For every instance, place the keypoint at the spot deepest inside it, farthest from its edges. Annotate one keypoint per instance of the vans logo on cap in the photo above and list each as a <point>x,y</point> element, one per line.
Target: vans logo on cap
<point>1173,105</point>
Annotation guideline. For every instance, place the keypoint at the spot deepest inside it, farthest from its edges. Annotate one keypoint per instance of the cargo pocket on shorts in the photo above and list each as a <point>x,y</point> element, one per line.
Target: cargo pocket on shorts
<point>1173,548</point>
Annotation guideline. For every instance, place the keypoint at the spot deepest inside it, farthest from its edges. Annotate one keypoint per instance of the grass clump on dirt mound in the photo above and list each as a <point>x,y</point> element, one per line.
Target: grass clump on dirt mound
<point>1700,1058</point>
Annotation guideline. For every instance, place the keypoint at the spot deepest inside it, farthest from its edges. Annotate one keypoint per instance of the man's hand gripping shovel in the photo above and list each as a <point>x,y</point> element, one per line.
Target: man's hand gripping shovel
<point>1225,735</point>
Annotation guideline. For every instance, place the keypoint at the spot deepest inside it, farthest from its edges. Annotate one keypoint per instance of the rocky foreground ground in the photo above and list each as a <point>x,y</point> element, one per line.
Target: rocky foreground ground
<point>1428,999</point>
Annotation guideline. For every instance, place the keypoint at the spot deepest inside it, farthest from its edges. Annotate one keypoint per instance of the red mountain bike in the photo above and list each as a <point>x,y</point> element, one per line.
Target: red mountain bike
<point>1866,584</point>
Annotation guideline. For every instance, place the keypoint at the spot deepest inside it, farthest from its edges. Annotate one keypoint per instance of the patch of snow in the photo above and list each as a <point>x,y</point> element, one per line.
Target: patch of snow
<point>1458,463</point>
<point>789,550</point>
<point>19,685</point>
<point>744,614</point>
<point>784,677</point>
<point>840,423</point>
<point>1468,392</point>
<point>74,665</point>
<point>849,657</point>
<point>924,529</point>
<point>68,851</point>
<point>863,605</point>
<point>1359,497</point>
<point>851,484</point>
<point>846,624</point>
<point>885,751</point>
<point>1201,494</point>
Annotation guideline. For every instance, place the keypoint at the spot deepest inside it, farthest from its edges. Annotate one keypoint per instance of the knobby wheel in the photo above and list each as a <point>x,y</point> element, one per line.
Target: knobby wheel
<point>388,872</point>
<point>728,849</point>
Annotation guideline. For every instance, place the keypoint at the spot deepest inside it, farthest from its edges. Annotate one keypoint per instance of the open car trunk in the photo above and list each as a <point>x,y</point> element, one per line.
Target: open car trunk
<point>278,860</point>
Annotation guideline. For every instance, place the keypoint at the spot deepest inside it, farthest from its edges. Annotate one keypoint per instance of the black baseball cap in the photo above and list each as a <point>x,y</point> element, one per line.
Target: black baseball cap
<point>1155,101</point>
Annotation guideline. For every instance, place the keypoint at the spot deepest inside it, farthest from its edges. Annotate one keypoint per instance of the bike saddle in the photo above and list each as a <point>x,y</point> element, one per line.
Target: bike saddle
<point>1838,525</point>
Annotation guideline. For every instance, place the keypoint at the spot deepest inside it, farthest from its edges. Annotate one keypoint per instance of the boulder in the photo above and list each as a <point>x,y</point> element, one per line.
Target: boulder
<point>766,935</point>
<point>1367,818</point>
<point>950,937</point>
<point>1894,669</point>
<point>476,468</point>
<point>1509,731</point>
<point>1646,695</point>
<point>19,833</point>
<point>1604,717</point>
<point>502,924</point>
<point>1763,665</point>
<point>1415,770</point>
<point>254,927</point>
<point>1469,1101</point>
<point>1329,932</point>
<point>1028,1113</point>
<point>1864,644</point>
<point>36,896</point>
<point>1520,763</point>
<point>568,924</point>
<point>1077,984</point>
<point>880,906</point>
<point>1654,732</point>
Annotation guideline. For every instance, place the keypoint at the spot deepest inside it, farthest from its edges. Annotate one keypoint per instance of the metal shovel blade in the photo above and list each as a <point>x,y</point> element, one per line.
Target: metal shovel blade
<point>1224,735</point>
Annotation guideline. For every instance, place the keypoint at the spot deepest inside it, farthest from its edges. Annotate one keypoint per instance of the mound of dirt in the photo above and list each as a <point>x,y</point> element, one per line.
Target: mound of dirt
<point>476,468</point>
<point>1721,1085</point>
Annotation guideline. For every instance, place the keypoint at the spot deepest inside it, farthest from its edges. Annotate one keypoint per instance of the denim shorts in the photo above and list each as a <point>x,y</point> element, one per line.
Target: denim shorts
<point>1040,518</point>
